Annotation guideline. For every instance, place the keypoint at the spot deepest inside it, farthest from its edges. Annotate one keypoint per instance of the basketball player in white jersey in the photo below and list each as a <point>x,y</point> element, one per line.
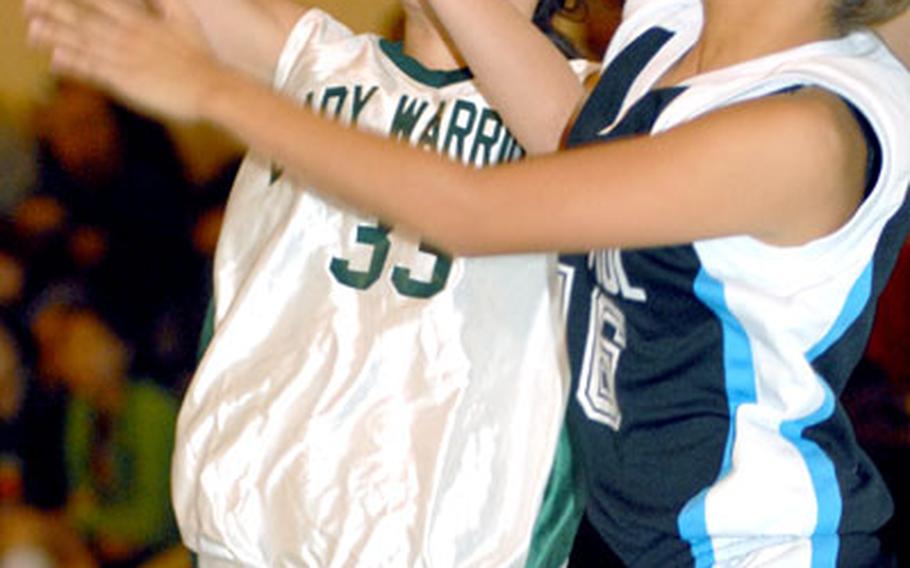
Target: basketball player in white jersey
<point>366,399</point>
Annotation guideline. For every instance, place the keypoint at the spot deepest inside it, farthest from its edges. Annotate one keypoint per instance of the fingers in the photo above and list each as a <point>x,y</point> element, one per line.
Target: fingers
<point>77,12</point>
<point>82,30</point>
<point>76,23</point>
<point>137,56</point>
<point>93,39</point>
<point>126,13</point>
<point>72,43</point>
<point>61,23</point>
<point>74,62</point>
<point>63,12</point>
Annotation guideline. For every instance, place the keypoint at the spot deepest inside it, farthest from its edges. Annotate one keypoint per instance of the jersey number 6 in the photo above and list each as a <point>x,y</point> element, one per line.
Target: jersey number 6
<point>378,237</point>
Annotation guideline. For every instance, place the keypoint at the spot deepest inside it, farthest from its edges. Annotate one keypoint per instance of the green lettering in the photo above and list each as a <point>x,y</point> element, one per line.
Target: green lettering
<point>360,101</point>
<point>378,238</point>
<point>429,138</point>
<point>460,126</point>
<point>406,116</point>
<point>510,150</point>
<point>485,141</point>
<point>407,286</point>
<point>338,94</point>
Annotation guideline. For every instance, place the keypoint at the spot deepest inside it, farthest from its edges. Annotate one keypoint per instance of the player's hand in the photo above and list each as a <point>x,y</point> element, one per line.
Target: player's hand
<point>180,17</point>
<point>147,59</point>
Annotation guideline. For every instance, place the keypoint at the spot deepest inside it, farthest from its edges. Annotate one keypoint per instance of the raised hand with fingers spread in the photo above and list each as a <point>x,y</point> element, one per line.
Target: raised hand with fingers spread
<point>147,59</point>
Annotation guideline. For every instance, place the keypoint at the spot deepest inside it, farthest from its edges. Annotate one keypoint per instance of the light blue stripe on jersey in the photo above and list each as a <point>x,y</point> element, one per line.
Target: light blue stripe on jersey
<point>857,301</point>
<point>824,479</point>
<point>739,378</point>
<point>821,468</point>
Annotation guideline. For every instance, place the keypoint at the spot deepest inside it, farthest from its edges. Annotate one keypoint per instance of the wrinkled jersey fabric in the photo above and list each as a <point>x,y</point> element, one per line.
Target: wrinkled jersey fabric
<point>367,400</point>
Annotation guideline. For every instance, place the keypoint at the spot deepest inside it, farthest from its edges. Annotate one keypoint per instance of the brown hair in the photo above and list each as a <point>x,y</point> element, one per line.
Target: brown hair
<point>849,14</point>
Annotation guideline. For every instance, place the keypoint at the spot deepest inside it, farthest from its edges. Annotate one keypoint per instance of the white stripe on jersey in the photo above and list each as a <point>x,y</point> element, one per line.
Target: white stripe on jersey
<point>786,302</point>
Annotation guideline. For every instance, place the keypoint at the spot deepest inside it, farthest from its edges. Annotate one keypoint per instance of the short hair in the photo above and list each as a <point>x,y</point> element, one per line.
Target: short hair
<point>851,14</point>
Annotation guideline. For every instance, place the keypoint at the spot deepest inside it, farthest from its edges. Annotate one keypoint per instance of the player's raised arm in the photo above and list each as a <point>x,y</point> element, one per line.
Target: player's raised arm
<point>897,34</point>
<point>519,71</point>
<point>625,193</point>
<point>245,34</point>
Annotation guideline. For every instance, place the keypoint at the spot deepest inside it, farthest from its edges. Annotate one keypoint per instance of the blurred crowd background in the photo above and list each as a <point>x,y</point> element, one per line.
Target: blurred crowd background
<point>108,225</point>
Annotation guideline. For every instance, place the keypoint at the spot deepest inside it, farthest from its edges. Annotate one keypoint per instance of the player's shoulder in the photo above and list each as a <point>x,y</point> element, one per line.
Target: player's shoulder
<point>816,125</point>
<point>847,69</point>
<point>315,32</point>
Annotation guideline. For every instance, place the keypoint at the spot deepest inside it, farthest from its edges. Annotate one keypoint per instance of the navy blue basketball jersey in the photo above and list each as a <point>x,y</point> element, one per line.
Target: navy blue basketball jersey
<point>706,376</point>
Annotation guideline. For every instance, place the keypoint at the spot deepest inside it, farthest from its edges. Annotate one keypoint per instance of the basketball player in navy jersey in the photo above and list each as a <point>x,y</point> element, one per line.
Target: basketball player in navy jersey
<point>740,175</point>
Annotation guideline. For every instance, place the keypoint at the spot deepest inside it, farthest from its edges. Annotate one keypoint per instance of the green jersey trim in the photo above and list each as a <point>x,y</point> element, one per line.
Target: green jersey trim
<point>416,70</point>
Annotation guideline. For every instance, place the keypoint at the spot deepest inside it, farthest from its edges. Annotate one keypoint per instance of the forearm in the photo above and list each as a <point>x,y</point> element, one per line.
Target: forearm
<point>247,35</point>
<point>599,196</point>
<point>519,71</point>
<point>511,208</point>
<point>431,195</point>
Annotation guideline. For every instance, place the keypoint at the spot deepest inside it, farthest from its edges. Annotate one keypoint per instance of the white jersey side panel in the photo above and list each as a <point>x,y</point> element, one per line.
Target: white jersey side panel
<point>359,404</point>
<point>792,303</point>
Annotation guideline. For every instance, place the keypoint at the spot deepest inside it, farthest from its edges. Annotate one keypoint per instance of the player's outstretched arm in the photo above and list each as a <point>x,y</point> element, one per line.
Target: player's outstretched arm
<point>247,35</point>
<point>519,71</point>
<point>897,34</point>
<point>641,191</point>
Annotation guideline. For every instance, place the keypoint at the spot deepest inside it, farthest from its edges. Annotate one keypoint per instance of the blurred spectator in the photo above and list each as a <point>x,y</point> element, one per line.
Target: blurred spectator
<point>42,423</point>
<point>111,209</point>
<point>111,224</point>
<point>31,539</point>
<point>11,397</point>
<point>17,166</point>
<point>13,278</point>
<point>119,438</point>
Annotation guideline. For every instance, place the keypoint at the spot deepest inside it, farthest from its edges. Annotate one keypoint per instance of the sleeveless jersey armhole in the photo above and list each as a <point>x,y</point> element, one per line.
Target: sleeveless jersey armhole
<point>873,145</point>
<point>873,149</point>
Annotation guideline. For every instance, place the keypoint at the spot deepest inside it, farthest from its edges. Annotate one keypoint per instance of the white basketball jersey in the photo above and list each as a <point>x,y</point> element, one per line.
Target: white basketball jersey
<point>367,400</point>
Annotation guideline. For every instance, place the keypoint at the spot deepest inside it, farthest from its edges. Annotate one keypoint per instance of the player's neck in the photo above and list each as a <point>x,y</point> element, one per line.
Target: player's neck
<point>771,26</point>
<point>425,42</point>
